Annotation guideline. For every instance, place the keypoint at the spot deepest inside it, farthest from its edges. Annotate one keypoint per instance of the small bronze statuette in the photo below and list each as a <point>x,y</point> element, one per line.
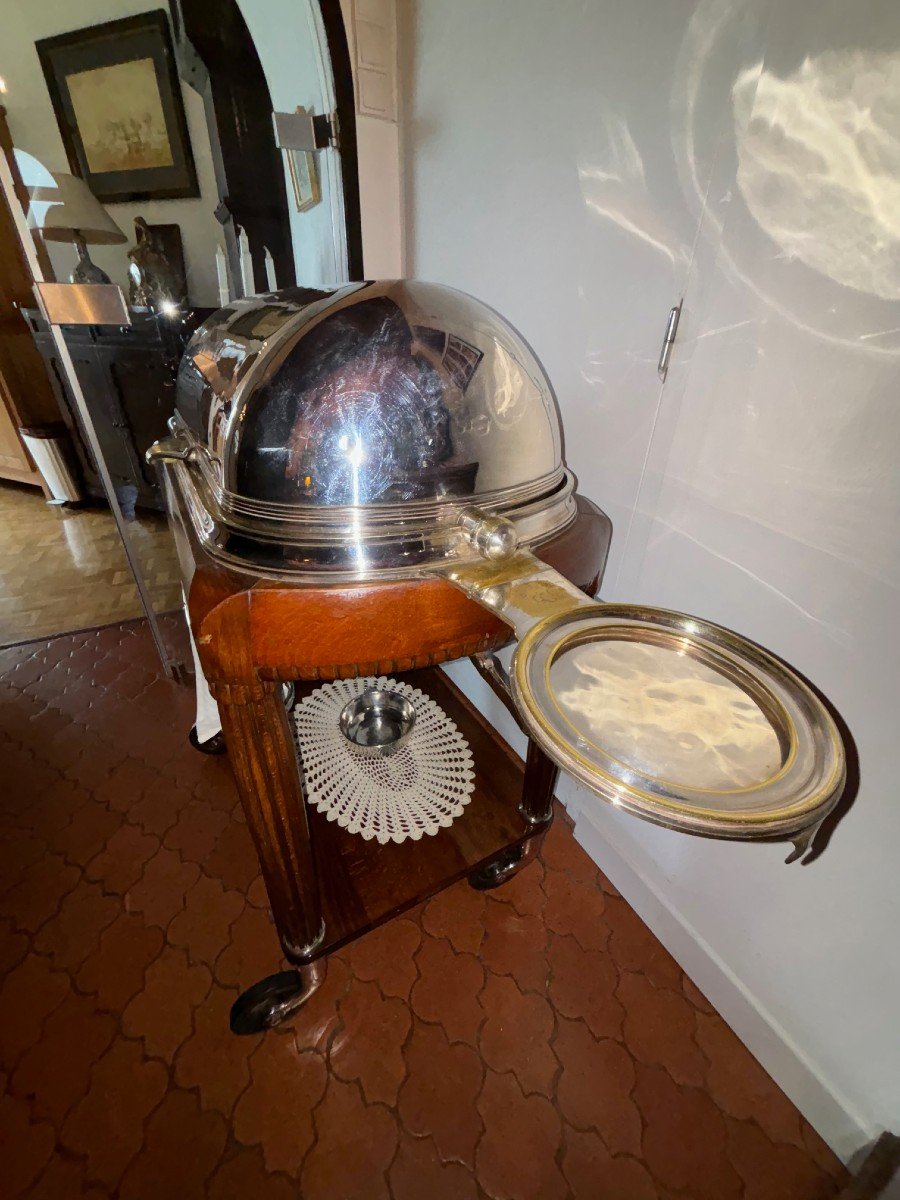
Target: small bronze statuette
<point>156,281</point>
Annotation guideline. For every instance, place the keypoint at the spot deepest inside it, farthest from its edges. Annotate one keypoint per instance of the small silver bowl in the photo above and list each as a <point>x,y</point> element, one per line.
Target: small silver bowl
<point>377,722</point>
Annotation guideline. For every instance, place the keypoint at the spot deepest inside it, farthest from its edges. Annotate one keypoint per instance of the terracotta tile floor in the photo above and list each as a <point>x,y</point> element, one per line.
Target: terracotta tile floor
<point>534,1042</point>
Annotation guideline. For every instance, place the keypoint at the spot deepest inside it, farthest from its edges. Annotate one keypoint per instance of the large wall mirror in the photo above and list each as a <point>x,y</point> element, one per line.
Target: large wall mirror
<point>139,149</point>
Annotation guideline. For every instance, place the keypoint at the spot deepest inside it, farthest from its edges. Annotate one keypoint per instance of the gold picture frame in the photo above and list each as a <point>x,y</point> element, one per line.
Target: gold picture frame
<point>304,178</point>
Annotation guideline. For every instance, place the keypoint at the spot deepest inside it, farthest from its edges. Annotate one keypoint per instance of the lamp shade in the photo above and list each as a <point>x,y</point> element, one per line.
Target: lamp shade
<point>70,208</point>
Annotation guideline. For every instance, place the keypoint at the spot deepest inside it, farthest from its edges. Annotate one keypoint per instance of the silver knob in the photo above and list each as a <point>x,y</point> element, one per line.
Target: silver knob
<point>493,537</point>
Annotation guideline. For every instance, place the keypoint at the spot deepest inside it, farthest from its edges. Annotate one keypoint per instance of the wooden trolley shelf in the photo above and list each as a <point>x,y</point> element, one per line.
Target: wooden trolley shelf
<point>253,635</point>
<point>364,883</point>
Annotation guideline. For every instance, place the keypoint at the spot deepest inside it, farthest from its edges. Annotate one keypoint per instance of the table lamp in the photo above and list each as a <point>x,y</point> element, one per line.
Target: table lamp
<point>70,212</point>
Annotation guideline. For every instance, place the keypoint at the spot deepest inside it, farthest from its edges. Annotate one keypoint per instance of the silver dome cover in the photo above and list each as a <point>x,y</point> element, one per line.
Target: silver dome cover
<point>333,418</point>
<point>375,393</point>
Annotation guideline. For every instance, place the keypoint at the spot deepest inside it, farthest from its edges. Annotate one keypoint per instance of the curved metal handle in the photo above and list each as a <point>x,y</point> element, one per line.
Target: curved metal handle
<point>178,448</point>
<point>173,449</point>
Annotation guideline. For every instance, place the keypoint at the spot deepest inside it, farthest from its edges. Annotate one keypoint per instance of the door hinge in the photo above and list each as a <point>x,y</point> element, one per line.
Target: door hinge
<point>328,131</point>
<point>662,367</point>
<point>302,130</point>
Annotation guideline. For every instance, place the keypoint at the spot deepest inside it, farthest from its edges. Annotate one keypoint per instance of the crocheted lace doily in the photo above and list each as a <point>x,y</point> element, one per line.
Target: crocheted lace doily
<point>420,789</point>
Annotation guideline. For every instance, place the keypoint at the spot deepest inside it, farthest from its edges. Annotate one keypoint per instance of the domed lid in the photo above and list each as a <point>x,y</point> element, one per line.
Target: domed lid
<point>399,393</point>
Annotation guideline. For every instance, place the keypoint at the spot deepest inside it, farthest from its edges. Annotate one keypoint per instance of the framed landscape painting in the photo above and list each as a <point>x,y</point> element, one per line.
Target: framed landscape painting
<point>305,178</point>
<point>117,99</point>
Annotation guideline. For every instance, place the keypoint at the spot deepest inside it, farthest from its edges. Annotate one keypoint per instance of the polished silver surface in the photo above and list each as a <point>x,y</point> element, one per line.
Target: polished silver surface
<point>377,722</point>
<point>495,538</point>
<point>351,432</point>
<point>768,763</point>
<point>83,303</point>
<point>666,716</point>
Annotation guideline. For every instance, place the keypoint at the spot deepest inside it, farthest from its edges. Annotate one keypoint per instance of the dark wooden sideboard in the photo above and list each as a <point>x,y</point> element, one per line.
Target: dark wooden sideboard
<point>127,374</point>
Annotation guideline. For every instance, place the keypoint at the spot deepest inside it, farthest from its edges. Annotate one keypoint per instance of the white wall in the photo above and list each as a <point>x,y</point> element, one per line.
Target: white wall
<point>291,56</point>
<point>379,195</point>
<point>580,167</point>
<point>371,27</point>
<point>35,132</point>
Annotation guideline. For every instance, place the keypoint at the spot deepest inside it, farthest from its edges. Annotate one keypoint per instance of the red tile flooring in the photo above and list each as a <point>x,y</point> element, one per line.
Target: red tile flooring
<point>533,1042</point>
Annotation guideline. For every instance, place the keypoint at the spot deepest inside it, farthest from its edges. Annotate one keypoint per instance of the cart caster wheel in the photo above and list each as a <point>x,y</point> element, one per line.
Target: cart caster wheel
<point>213,745</point>
<point>274,999</point>
<point>498,870</point>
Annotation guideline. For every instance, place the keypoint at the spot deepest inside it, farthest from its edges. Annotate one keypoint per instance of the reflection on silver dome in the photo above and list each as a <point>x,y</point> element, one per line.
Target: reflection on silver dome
<point>376,393</point>
<point>351,431</point>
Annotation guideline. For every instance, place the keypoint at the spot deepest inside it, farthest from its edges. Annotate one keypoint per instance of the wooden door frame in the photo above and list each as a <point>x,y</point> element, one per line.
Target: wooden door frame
<point>336,73</point>
<point>26,395</point>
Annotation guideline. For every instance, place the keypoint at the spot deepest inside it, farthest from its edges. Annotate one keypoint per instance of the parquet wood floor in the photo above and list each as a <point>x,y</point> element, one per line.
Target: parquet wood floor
<point>64,568</point>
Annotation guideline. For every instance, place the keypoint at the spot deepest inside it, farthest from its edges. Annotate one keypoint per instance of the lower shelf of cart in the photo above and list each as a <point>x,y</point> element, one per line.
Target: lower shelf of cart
<point>363,883</point>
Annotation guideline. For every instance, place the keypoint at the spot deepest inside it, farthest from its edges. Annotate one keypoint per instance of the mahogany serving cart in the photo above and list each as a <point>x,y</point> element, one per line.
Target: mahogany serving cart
<point>370,482</point>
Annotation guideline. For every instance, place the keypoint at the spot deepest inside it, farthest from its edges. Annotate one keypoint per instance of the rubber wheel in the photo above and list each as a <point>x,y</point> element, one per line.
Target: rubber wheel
<point>213,745</point>
<point>495,873</point>
<point>266,1004</point>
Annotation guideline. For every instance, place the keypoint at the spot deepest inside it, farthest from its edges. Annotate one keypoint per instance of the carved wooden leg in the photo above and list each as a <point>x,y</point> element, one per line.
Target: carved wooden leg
<point>537,808</point>
<point>264,761</point>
